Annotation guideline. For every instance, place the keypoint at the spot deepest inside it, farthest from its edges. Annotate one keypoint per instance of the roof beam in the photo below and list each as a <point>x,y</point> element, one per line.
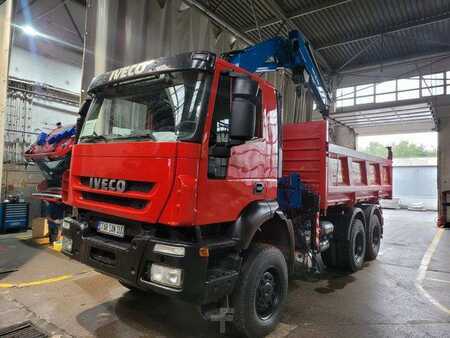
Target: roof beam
<point>392,118</point>
<point>299,14</point>
<point>221,22</point>
<point>371,124</point>
<point>72,20</point>
<point>412,108</point>
<point>288,20</point>
<point>380,115</point>
<point>49,11</point>
<point>27,5</point>
<point>384,105</point>
<point>356,56</point>
<point>403,27</point>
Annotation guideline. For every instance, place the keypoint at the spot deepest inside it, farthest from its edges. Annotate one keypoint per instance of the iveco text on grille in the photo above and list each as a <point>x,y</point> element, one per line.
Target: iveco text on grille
<point>107,184</point>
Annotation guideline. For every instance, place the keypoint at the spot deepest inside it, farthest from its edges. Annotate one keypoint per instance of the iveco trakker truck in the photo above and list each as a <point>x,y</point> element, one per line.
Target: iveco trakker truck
<point>184,181</point>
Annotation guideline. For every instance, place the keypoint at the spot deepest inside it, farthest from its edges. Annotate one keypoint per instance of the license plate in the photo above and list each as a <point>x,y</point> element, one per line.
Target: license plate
<point>117,230</point>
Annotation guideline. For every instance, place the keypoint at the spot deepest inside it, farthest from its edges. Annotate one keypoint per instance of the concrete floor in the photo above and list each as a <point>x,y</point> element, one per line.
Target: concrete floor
<point>405,292</point>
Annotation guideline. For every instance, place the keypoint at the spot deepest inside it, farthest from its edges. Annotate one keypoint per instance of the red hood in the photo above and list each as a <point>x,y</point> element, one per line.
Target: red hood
<point>148,169</point>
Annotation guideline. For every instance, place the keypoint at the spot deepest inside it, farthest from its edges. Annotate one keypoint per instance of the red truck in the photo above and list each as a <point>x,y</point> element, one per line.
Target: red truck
<point>185,182</point>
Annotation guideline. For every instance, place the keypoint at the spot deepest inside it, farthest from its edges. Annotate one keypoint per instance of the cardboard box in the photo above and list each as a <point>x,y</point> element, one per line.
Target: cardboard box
<point>39,227</point>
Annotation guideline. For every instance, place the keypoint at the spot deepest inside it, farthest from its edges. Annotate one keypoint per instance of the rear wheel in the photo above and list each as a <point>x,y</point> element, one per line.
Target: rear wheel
<point>373,238</point>
<point>328,256</point>
<point>355,249</point>
<point>347,254</point>
<point>260,292</point>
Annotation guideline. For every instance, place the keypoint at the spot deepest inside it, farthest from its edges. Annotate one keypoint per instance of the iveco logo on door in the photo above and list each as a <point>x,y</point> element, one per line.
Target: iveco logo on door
<point>107,184</point>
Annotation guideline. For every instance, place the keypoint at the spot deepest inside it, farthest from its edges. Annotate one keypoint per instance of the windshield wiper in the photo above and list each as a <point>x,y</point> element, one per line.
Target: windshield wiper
<point>138,136</point>
<point>93,137</point>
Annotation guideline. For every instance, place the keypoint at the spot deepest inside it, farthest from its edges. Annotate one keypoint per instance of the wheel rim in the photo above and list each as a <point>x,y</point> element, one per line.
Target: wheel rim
<point>268,294</point>
<point>359,247</point>
<point>375,238</point>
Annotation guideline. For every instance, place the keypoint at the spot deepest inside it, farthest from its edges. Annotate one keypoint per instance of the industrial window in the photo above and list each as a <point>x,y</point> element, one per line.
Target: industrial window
<point>448,82</point>
<point>408,88</point>
<point>364,94</point>
<point>395,90</point>
<point>386,87</point>
<point>433,84</point>
<point>385,91</point>
<point>345,97</point>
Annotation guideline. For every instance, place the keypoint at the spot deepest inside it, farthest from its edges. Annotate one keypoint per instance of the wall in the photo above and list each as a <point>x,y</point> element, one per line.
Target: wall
<point>28,114</point>
<point>295,108</point>
<point>5,43</point>
<point>444,155</point>
<point>416,184</point>
<point>34,67</point>
<point>126,32</point>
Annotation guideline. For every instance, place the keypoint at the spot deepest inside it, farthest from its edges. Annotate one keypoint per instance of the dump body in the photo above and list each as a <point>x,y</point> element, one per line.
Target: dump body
<point>341,176</point>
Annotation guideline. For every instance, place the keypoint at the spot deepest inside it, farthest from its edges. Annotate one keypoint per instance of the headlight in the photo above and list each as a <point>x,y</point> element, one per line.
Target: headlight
<point>166,276</point>
<point>67,244</point>
<point>66,224</point>
<point>169,250</point>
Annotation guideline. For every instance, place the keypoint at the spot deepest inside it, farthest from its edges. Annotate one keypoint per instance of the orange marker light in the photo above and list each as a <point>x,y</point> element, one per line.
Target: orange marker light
<point>203,252</point>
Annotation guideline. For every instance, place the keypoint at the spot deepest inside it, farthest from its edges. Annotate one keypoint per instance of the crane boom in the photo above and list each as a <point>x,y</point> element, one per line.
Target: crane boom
<point>293,53</point>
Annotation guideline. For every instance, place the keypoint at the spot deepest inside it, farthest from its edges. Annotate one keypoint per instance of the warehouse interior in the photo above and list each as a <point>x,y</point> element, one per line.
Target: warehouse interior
<point>386,65</point>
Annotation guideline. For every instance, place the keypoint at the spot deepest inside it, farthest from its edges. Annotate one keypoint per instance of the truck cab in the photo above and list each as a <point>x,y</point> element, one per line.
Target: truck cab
<point>175,187</point>
<point>172,151</point>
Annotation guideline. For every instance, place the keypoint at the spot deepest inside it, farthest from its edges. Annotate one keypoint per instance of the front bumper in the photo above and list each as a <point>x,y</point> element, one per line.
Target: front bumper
<point>131,262</point>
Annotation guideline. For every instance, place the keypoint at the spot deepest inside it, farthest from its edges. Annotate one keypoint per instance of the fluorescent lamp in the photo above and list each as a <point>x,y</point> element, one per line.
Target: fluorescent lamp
<point>29,30</point>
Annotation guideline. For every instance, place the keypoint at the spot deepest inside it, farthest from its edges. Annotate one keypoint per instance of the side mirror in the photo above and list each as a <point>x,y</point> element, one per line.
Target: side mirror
<point>243,109</point>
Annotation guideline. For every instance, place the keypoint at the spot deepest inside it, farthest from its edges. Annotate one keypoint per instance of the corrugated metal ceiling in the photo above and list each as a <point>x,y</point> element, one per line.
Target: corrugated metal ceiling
<point>363,31</point>
<point>346,33</point>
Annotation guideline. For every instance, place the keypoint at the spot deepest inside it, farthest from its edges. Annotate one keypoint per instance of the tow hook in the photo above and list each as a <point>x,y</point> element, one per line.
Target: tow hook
<point>221,313</point>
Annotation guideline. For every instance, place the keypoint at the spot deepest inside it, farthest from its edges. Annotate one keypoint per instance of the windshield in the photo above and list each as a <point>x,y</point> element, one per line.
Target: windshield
<point>166,107</point>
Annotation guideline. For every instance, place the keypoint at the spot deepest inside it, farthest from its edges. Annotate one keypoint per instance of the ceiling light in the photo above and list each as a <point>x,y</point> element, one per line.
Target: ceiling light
<point>29,30</point>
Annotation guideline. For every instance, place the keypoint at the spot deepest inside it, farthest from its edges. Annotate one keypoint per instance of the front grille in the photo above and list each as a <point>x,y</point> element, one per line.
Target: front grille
<point>131,185</point>
<point>122,201</point>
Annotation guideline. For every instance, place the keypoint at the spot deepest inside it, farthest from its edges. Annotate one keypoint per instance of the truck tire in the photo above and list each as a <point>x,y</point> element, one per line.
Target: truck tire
<point>373,238</point>
<point>260,292</point>
<point>329,256</point>
<point>351,253</point>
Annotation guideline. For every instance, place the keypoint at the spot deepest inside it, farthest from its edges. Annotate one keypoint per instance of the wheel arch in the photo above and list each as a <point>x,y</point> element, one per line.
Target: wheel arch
<point>263,222</point>
<point>343,222</point>
<point>369,211</point>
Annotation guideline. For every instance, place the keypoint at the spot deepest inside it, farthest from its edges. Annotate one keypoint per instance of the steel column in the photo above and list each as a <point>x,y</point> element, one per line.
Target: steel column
<point>5,45</point>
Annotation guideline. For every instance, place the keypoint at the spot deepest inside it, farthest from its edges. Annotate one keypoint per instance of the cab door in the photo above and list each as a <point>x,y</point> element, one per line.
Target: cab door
<point>232,172</point>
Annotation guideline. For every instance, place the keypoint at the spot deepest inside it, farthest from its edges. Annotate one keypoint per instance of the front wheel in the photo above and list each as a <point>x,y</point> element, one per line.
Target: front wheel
<point>261,291</point>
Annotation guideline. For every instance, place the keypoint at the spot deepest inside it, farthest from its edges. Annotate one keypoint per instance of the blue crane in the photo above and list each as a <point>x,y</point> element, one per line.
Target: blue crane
<point>292,53</point>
